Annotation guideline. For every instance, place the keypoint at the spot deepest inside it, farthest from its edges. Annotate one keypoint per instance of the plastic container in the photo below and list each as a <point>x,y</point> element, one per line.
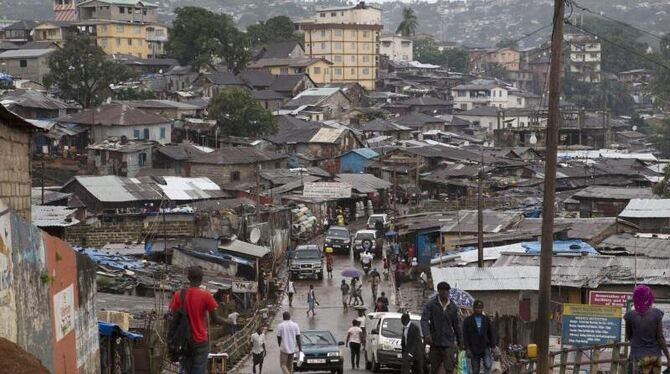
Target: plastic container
<point>532,350</point>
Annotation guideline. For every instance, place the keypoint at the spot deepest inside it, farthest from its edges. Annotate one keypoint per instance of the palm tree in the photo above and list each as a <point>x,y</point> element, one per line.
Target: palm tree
<point>408,25</point>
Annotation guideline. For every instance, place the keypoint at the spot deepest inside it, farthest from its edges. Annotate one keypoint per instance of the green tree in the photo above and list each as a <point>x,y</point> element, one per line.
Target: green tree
<point>82,72</point>
<point>134,94</point>
<point>495,71</point>
<point>660,85</point>
<point>276,29</point>
<point>455,59</point>
<point>613,95</point>
<point>638,122</point>
<point>407,26</point>
<point>238,114</point>
<point>199,37</point>
<point>660,136</point>
<point>508,43</point>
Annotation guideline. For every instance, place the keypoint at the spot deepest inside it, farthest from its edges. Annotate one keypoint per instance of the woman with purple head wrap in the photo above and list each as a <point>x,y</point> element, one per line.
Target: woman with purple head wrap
<point>644,330</point>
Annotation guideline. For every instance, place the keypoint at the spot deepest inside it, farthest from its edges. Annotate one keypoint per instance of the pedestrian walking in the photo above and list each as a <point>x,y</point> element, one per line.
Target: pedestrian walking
<point>375,280</point>
<point>329,264</point>
<point>258,349</point>
<point>644,330</point>
<point>361,323</point>
<point>197,303</point>
<point>311,301</point>
<point>352,292</point>
<point>232,317</point>
<point>412,347</point>
<point>479,339</point>
<point>288,339</point>
<point>382,303</point>
<point>354,338</point>
<point>359,293</point>
<point>290,290</point>
<point>344,287</point>
<point>439,322</point>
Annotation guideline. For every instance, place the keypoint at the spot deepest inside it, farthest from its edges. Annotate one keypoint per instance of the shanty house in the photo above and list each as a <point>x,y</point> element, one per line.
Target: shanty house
<point>122,120</point>
<point>232,164</point>
<point>651,215</point>
<point>211,84</point>
<point>120,157</point>
<point>325,103</point>
<point>356,160</point>
<point>608,201</point>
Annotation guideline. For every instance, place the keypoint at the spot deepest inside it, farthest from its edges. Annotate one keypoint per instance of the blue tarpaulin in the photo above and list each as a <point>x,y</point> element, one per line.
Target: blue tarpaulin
<point>562,246</point>
<point>111,260</point>
<point>108,329</point>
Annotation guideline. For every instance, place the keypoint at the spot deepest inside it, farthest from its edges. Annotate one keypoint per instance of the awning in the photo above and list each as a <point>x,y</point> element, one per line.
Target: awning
<point>108,329</point>
<point>245,248</point>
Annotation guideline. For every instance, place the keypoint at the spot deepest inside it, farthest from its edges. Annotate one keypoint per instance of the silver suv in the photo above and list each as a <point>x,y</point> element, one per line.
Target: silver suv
<point>307,262</point>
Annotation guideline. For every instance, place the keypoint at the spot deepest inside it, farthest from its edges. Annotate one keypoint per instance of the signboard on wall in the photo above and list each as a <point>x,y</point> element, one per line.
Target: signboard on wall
<point>245,287</point>
<point>590,324</point>
<point>608,298</point>
<point>64,312</point>
<point>327,190</point>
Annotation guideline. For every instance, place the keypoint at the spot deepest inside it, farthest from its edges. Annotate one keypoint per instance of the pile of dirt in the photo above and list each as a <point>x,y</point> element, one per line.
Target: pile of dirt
<point>17,361</point>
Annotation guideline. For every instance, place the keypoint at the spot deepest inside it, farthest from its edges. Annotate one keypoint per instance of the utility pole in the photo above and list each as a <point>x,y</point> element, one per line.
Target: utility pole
<point>480,214</point>
<point>544,304</point>
<point>42,180</point>
<point>258,192</point>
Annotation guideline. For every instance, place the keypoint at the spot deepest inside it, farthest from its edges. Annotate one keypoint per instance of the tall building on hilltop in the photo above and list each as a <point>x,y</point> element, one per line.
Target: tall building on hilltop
<point>65,10</point>
<point>349,38</point>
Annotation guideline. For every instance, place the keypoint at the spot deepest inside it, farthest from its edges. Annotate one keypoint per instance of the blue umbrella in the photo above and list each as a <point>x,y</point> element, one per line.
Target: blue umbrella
<point>461,298</point>
<point>351,273</point>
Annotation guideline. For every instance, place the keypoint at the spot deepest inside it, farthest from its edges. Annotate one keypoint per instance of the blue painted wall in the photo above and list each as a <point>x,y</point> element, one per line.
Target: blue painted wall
<point>352,162</point>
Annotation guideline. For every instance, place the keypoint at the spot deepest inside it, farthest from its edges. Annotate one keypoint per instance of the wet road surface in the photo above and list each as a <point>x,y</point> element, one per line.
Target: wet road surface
<point>330,315</point>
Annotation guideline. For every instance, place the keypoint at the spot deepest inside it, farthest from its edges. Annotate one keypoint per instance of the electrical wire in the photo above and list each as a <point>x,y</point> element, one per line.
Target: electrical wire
<point>572,3</point>
<point>625,48</point>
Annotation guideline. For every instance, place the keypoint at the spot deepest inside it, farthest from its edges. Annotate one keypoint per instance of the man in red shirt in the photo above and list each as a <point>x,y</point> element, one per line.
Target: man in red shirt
<point>197,303</point>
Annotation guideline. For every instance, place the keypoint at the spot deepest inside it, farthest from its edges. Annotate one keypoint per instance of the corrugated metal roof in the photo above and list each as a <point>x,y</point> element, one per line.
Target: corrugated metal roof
<point>25,53</point>
<point>178,188</point>
<point>327,135</point>
<point>511,278</point>
<point>366,152</point>
<point>613,193</point>
<point>52,216</point>
<point>242,247</point>
<point>630,244</point>
<point>647,208</point>
<point>363,183</point>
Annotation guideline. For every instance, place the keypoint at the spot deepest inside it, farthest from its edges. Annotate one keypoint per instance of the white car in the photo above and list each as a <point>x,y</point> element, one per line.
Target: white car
<point>383,339</point>
<point>366,240</point>
<point>373,219</point>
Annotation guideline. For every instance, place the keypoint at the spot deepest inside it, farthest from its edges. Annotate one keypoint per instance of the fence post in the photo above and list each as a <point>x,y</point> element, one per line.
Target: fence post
<point>595,357</point>
<point>616,355</point>
<point>564,361</point>
<point>578,360</point>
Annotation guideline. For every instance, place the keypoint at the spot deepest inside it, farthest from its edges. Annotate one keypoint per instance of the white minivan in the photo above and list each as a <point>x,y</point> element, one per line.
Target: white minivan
<point>383,339</point>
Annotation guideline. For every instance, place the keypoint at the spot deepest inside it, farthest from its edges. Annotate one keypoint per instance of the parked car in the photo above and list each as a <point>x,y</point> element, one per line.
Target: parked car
<point>339,239</point>
<point>375,219</point>
<point>383,340</point>
<point>322,352</point>
<point>307,262</point>
<point>367,240</point>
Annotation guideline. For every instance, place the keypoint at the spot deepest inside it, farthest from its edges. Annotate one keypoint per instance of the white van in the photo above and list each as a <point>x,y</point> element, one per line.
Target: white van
<point>372,221</point>
<point>383,339</point>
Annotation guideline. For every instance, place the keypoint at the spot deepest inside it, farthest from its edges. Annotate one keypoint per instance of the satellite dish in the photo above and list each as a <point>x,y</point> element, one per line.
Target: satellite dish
<point>255,235</point>
<point>533,139</point>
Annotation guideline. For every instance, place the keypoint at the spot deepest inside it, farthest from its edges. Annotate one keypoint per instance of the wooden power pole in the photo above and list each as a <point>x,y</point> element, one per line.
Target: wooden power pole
<point>480,214</point>
<point>544,304</point>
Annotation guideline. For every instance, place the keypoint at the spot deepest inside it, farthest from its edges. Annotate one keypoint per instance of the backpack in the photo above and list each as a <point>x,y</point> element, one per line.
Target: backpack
<point>179,332</point>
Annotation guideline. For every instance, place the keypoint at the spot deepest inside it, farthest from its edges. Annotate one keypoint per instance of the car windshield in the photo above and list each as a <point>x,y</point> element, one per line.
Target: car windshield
<point>307,254</point>
<point>338,233</point>
<point>392,328</point>
<point>317,338</point>
<point>365,235</point>
<point>376,219</point>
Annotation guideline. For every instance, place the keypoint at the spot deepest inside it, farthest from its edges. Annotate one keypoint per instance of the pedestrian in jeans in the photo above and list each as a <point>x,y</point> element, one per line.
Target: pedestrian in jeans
<point>258,349</point>
<point>354,338</point>
<point>644,330</point>
<point>478,338</point>
<point>288,338</point>
<point>311,301</point>
<point>440,325</point>
<point>345,293</point>
<point>197,304</point>
<point>290,290</point>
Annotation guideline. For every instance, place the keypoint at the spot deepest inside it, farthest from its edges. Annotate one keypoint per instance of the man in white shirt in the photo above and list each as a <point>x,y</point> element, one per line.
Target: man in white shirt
<point>258,349</point>
<point>288,338</point>
<point>232,317</point>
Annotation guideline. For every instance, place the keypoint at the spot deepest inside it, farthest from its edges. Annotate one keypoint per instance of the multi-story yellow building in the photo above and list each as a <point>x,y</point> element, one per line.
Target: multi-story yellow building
<point>349,38</point>
<point>123,27</point>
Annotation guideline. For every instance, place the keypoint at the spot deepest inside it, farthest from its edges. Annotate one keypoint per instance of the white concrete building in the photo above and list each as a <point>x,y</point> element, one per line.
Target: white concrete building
<point>396,48</point>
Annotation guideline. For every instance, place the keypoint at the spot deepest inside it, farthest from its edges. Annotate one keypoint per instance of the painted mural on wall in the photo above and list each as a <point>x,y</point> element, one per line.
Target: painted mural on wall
<point>39,301</point>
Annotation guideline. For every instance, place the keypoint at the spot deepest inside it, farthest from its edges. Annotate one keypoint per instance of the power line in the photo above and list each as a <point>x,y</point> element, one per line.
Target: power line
<point>625,48</point>
<point>585,9</point>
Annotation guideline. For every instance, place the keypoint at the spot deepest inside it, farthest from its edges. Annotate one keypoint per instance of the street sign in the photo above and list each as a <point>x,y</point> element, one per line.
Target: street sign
<point>245,287</point>
<point>609,298</point>
<point>590,324</point>
<point>327,190</point>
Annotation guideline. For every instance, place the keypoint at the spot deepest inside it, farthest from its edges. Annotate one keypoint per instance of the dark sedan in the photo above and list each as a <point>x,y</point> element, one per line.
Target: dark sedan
<point>322,352</point>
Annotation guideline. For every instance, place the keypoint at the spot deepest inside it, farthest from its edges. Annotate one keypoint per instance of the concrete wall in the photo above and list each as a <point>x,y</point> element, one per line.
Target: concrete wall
<point>133,228</point>
<point>15,181</point>
<point>35,70</point>
<point>101,133</point>
<point>41,299</point>
<point>222,174</point>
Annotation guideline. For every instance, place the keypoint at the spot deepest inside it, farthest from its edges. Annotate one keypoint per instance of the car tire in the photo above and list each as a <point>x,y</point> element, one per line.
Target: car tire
<point>376,368</point>
<point>320,276</point>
